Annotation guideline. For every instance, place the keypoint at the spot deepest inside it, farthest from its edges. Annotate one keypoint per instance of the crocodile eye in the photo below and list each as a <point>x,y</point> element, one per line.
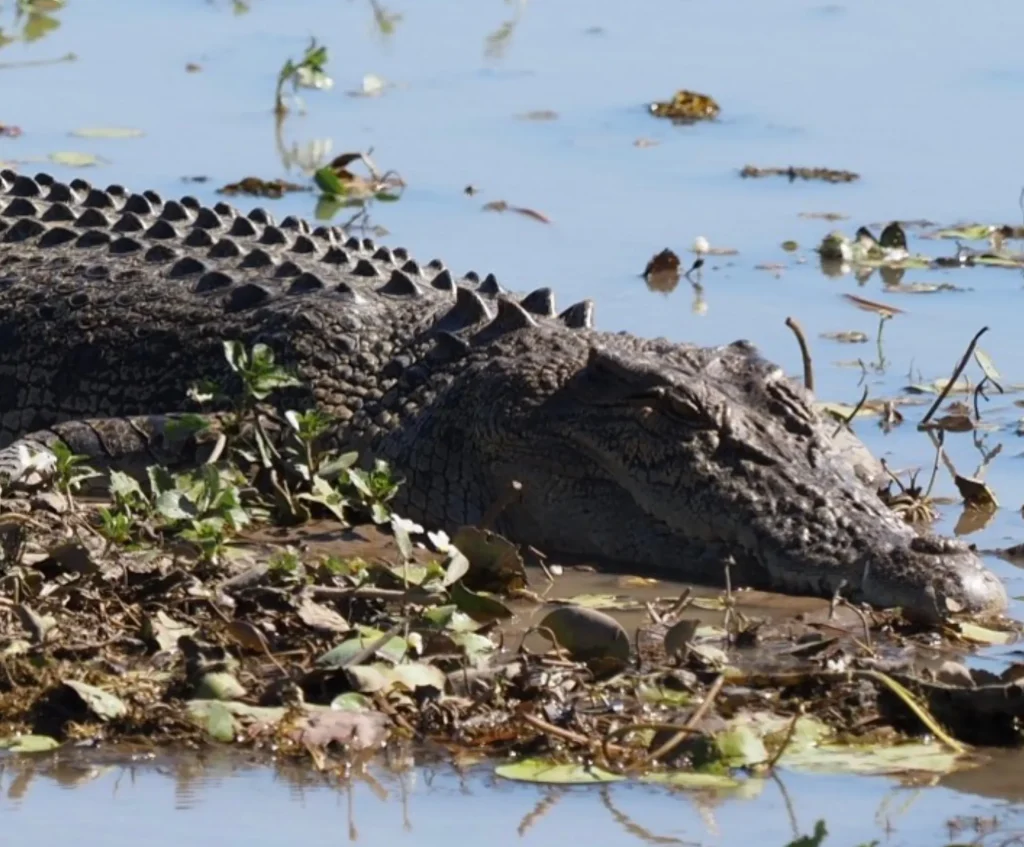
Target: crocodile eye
<point>687,411</point>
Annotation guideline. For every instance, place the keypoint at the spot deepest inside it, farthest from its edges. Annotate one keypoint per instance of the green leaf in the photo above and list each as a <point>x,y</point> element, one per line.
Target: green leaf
<point>327,497</point>
<point>473,643</point>
<point>393,650</point>
<point>234,352</point>
<point>456,568</point>
<point>335,466</point>
<point>413,675</point>
<point>103,705</point>
<point>352,701</point>
<point>986,365</point>
<point>740,746</point>
<point>327,207</point>
<point>124,486</point>
<point>37,25</point>
<point>172,506</point>
<point>865,759</point>
<point>975,232</point>
<point>29,743</point>
<point>546,771</point>
<point>220,722</point>
<point>479,606</point>
<point>692,780</point>
<point>72,159</point>
<point>329,183</point>
<point>450,618</point>
<point>604,601</point>
<point>219,685</point>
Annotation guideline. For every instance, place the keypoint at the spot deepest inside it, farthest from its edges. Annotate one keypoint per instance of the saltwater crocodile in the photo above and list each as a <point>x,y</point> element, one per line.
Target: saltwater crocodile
<point>654,454</point>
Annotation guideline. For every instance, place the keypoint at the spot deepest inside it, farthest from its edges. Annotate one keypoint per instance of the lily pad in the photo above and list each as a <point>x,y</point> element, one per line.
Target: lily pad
<point>394,649</point>
<point>602,601</point>
<point>876,760</point>
<point>108,132</point>
<point>545,771</point>
<point>494,561</point>
<point>740,746</point>
<point>29,744</point>
<point>220,722</point>
<point>692,780</point>
<point>479,606</point>
<point>368,679</point>
<point>74,159</point>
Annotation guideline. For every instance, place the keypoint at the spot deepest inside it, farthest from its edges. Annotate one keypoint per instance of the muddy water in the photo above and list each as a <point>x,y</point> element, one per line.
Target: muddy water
<point>909,95</point>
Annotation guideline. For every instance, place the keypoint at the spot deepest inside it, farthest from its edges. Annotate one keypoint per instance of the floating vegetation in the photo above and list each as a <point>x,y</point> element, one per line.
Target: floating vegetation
<point>308,72</point>
<point>889,251</point>
<point>793,173</point>
<point>108,132</point>
<point>502,206</point>
<point>538,115</point>
<point>342,188</point>
<point>254,186</point>
<point>850,336</point>
<point>686,107</point>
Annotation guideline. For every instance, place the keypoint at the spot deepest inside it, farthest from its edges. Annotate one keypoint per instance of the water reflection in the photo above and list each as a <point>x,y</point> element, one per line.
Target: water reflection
<point>114,798</point>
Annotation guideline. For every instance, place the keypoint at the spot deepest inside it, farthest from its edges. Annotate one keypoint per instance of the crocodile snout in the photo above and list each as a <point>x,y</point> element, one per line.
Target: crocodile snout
<point>934,577</point>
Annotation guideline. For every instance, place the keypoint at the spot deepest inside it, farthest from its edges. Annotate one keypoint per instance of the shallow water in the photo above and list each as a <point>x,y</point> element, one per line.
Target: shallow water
<point>227,800</point>
<point>922,102</point>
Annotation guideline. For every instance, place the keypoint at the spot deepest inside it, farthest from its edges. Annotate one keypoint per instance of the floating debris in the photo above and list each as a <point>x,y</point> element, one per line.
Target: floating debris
<point>824,216</point>
<point>662,272</point>
<point>686,107</point>
<point>255,186</point>
<point>502,206</point>
<point>538,115</point>
<point>793,173</point>
<point>873,306</point>
<point>850,336</point>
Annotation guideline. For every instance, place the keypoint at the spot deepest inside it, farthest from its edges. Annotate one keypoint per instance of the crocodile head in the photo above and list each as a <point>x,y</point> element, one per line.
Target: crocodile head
<point>683,459</point>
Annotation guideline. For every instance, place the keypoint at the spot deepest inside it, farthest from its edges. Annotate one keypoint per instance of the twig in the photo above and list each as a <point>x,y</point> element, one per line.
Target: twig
<point>373,647</point>
<point>935,465</point>
<point>805,352</point>
<point>692,721</point>
<point>878,341</point>
<point>36,63</point>
<point>568,735</point>
<point>853,414</point>
<point>785,743</point>
<point>979,391</point>
<point>863,620</point>
<point>956,375</point>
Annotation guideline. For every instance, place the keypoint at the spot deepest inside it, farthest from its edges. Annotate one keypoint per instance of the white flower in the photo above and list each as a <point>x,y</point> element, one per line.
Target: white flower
<point>42,462</point>
<point>410,527</point>
<point>440,540</point>
<point>415,642</point>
